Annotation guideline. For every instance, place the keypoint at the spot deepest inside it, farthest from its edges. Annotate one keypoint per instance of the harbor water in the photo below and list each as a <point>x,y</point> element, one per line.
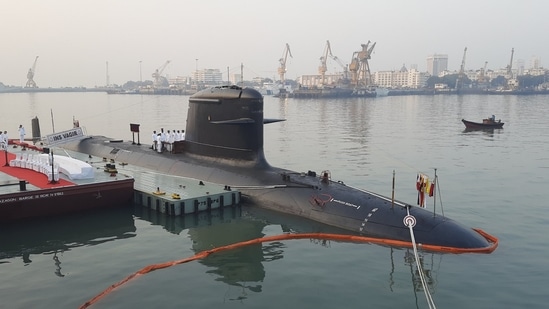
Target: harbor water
<point>494,180</point>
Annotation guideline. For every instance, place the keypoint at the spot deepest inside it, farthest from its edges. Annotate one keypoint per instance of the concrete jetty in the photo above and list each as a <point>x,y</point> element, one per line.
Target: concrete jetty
<point>168,194</point>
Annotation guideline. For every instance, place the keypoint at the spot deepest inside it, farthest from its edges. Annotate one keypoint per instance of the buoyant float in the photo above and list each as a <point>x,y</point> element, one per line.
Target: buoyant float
<point>224,145</point>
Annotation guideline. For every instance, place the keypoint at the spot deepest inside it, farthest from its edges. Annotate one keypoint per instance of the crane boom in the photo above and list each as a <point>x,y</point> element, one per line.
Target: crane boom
<point>30,75</point>
<point>157,75</point>
<point>322,69</point>
<point>343,66</point>
<point>360,68</point>
<point>459,79</point>
<point>510,66</point>
<point>282,68</point>
<point>482,75</point>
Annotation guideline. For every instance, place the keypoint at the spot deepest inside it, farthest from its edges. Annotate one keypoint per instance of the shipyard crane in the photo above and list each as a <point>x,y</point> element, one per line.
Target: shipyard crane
<point>322,69</point>
<point>282,68</point>
<point>30,75</point>
<point>353,68</point>
<point>360,68</point>
<point>482,75</point>
<point>459,79</point>
<point>510,66</point>
<point>343,66</point>
<point>512,83</point>
<point>160,80</point>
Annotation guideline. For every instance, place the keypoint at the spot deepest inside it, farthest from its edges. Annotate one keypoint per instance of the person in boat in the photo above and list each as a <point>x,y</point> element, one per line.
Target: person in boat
<point>493,118</point>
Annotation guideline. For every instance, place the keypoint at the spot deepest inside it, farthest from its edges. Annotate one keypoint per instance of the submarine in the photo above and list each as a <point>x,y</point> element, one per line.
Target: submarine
<point>224,145</point>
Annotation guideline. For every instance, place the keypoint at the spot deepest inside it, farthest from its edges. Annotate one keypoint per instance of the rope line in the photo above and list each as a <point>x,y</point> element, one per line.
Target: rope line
<point>338,237</point>
<point>410,224</point>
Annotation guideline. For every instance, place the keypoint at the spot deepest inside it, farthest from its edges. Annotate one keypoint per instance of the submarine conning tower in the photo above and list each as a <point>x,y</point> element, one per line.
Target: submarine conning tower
<point>226,122</point>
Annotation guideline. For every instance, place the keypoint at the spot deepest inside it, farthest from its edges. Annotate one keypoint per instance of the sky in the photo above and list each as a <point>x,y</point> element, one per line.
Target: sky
<point>75,39</point>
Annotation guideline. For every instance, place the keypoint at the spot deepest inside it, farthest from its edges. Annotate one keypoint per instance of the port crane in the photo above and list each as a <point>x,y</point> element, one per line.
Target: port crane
<point>323,68</point>
<point>343,66</point>
<point>30,75</point>
<point>512,83</point>
<point>482,75</point>
<point>510,66</point>
<point>160,80</point>
<point>359,67</point>
<point>459,79</point>
<point>282,68</point>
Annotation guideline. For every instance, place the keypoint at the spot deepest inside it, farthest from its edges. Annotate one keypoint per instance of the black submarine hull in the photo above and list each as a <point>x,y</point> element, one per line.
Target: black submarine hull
<point>224,145</point>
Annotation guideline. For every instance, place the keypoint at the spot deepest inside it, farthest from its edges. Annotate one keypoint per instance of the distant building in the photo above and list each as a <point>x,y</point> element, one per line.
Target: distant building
<point>179,81</point>
<point>535,62</point>
<point>316,80</point>
<point>236,79</point>
<point>436,64</point>
<point>536,72</point>
<point>400,79</point>
<point>208,76</point>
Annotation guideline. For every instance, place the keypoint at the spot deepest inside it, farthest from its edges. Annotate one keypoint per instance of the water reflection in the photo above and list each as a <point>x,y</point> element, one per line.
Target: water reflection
<point>490,132</point>
<point>176,225</point>
<point>59,234</point>
<point>243,269</point>
<point>57,263</point>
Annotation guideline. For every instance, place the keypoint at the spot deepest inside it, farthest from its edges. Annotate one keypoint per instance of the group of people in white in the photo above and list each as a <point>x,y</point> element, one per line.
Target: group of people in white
<point>4,140</point>
<point>4,137</point>
<point>163,141</point>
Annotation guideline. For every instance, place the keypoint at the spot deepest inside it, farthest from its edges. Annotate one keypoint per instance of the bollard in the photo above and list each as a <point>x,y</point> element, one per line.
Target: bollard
<point>22,185</point>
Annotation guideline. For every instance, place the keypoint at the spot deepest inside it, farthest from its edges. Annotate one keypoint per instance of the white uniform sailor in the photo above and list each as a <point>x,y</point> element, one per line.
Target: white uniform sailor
<point>172,140</point>
<point>159,142</point>
<point>154,140</point>
<point>167,140</point>
<point>21,133</point>
<point>163,139</point>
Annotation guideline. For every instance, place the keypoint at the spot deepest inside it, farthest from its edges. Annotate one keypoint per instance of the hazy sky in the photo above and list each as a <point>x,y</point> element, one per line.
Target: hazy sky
<point>75,38</point>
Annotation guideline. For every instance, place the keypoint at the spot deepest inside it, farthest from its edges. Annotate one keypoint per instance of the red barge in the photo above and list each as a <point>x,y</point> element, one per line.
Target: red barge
<point>30,186</point>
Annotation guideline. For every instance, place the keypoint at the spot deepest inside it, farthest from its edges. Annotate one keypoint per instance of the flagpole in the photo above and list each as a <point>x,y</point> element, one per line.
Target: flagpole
<point>52,124</point>
<point>393,194</point>
<point>435,194</point>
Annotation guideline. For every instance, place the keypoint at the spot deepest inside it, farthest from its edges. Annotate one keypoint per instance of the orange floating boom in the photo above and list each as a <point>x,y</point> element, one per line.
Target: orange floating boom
<point>339,237</point>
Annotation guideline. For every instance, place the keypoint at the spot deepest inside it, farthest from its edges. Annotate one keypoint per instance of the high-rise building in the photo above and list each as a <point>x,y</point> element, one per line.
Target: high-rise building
<point>437,63</point>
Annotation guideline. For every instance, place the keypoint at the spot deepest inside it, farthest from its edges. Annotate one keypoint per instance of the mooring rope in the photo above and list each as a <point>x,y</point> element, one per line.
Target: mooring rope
<point>410,222</point>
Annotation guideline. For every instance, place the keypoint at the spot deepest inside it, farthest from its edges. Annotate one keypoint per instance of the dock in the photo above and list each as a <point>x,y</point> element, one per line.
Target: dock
<point>179,196</point>
<point>166,194</point>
